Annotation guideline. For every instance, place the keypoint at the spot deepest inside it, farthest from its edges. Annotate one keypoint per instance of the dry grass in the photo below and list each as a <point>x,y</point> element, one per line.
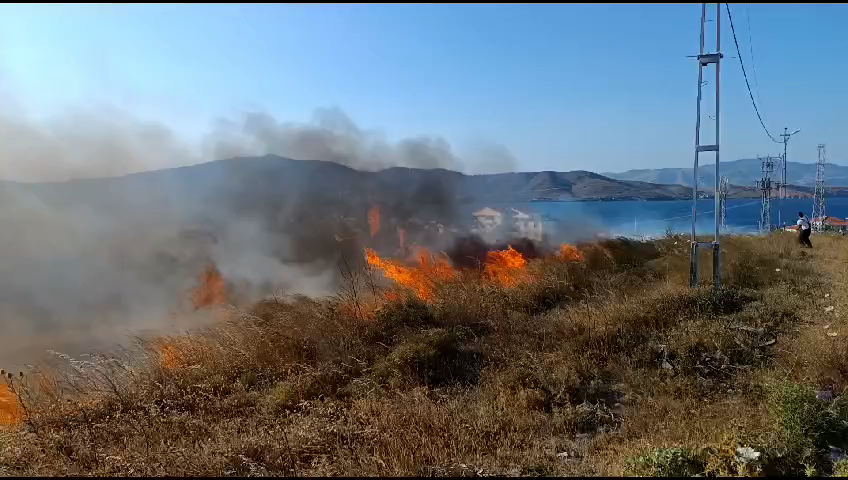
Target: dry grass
<point>579,371</point>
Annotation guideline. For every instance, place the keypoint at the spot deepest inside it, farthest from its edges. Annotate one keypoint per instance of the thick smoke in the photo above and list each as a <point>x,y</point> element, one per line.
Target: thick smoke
<point>87,262</point>
<point>332,136</point>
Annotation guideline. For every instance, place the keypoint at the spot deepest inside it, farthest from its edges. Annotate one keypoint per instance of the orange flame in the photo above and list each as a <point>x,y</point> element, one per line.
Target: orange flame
<point>505,267</point>
<point>212,289</point>
<point>421,279</point>
<point>374,219</point>
<point>11,412</point>
<point>172,357</point>
<point>570,253</point>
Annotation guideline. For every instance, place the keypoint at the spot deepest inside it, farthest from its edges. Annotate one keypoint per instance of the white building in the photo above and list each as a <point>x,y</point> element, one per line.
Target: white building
<point>528,226</point>
<point>488,219</point>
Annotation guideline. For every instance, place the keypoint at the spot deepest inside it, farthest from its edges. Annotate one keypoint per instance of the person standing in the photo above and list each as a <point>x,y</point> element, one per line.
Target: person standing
<point>804,230</point>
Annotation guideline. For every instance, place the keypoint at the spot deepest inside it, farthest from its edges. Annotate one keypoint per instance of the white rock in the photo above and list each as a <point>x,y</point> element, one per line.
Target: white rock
<point>829,309</point>
<point>746,454</point>
<point>831,334</point>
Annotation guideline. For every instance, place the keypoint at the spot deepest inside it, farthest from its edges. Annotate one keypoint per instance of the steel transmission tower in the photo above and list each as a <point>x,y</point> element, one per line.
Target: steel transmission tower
<point>766,185</point>
<point>818,196</point>
<point>723,194</point>
<point>704,60</point>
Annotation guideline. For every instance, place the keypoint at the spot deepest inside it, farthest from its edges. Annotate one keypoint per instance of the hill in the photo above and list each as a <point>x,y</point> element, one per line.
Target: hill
<point>739,172</point>
<point>283,179</point>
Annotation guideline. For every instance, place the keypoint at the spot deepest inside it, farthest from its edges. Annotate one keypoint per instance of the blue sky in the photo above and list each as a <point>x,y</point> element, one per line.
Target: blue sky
<point>564,87</point>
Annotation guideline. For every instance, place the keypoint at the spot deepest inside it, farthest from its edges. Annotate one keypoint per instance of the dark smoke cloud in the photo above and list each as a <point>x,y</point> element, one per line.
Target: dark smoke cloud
<point>331,136</point>
<point>89,261</point>
<point>471,251</point>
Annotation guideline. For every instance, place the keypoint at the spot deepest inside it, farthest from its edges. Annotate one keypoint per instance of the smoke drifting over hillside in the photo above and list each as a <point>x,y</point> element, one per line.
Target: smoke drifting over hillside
<point>331,136</point>
<point>88,261</point>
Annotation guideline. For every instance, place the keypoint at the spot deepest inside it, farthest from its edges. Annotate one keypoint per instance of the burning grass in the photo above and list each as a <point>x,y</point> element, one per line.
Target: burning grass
<point>11,412</point>
<point>595,359</point>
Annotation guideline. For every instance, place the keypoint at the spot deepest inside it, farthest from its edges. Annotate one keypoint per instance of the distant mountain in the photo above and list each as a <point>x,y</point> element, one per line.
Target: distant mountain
<point>273,180</point>
<point>261,184</point>
<point>739,172</point>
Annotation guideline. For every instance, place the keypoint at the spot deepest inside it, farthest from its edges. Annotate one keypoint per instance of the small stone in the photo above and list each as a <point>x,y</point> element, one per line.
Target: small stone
<point>831,334</point>
<point>836,454</point>
<point>825,395</point>
<point>826,295</point>
<point>827,326</point>
<point>666,365</point>
<point>776,269</point>
<point>829,309</point>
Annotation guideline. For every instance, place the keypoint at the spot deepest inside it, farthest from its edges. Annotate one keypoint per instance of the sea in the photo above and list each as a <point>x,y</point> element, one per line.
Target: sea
<point>653,218</point>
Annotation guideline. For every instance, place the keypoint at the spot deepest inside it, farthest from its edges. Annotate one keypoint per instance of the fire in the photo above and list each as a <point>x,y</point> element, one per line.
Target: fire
<point>374,219</point>
<point>421,279</point>
<point>505,267</point>
<point>212,289</point>
<point>11,412</point>
<point>570,253</point>
<point>171,356</point>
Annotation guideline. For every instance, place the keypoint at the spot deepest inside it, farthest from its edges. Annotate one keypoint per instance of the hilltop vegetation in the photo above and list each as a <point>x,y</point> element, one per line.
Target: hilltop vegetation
<point>598,360</point>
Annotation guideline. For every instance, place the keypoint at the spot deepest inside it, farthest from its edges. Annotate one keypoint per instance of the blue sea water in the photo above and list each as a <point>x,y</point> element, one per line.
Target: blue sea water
<point>653,218</point>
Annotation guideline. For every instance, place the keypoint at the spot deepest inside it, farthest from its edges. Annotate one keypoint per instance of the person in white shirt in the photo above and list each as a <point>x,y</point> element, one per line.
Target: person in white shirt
<point>804,230</point>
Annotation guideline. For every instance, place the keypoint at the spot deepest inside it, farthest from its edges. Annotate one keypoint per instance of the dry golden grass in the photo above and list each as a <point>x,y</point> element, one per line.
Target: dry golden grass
<point>576,372</point>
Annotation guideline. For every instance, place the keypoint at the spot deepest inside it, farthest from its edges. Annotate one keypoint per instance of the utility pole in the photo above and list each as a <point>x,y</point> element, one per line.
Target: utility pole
<point>818,196</point>
<point>783,183</point>
<point>765,185</point>
<point>723,192</point>
<point>705,59</point>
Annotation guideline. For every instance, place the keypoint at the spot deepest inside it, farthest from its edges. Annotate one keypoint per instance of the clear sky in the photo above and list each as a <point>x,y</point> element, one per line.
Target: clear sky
<point>564,87</point>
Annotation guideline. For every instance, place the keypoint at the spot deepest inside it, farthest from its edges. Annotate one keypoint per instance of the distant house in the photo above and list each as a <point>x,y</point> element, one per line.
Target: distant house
<point>488,219</point>
<point>528,226</point>
<point>490,223</point>
<point>831,223</point>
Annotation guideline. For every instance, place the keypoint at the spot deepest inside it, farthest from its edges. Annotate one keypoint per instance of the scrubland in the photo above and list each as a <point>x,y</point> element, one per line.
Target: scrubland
<point>596,360</point>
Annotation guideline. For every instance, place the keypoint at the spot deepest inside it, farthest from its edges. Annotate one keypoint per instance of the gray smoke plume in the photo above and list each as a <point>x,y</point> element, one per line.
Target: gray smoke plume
<point>332,136</point>
<point>86,262</point>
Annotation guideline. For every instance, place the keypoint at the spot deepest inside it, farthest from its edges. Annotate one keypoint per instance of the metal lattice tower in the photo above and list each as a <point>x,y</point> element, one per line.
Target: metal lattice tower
<point>766,185</point>
<point>723,194</point>
<point>818,196</point>
<point>704,60</point>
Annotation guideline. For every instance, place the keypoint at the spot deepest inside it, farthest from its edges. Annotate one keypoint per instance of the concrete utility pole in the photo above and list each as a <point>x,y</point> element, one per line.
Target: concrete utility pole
<point>724,188</point>
<point>705,59</point>
<point>785,136</point>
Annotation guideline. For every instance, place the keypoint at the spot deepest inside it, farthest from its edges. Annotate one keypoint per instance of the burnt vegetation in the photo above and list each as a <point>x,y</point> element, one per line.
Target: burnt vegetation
<point>601,364</point>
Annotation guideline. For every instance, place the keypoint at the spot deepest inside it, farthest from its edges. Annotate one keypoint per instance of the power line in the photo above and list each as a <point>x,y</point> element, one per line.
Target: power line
<point>745,74</point>
<point>751,50</point>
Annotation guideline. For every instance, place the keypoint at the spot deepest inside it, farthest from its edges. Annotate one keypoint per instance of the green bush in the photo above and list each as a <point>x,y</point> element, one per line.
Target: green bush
<point>668,462</point>
<point>434,357</point>
<point>840,468</point>
<point>807,428</point>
